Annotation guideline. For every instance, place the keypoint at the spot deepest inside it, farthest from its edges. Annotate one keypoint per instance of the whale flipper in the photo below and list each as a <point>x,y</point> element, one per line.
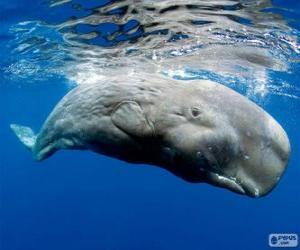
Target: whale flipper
<point>25,135</point>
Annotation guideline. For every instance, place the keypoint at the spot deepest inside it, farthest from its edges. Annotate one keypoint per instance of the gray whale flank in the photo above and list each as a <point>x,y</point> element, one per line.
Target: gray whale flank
<point>200,131</point>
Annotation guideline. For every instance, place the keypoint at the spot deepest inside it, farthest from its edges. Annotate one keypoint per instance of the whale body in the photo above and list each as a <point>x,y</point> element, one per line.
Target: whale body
<point>199,130</point>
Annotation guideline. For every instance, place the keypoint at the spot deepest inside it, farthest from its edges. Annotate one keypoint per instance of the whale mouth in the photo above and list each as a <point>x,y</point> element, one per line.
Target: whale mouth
<point>230,183</point>
<point>233,184</point>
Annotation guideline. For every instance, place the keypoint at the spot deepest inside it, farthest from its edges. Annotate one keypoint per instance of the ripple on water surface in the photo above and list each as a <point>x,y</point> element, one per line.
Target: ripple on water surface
<point>247,45</point>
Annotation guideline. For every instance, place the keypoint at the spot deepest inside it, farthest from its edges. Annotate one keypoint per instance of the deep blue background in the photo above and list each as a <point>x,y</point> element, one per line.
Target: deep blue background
<point>83,201</point>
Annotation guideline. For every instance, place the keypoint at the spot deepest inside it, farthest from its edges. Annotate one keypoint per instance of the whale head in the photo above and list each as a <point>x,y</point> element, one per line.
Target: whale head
<point>215,135</point>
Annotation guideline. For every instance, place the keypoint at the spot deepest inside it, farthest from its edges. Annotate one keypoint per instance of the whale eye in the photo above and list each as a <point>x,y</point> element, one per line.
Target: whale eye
<point>196,112</point>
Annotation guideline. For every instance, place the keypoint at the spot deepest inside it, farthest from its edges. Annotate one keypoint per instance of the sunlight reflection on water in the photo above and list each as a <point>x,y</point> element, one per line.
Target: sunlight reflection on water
<point>237,43</point>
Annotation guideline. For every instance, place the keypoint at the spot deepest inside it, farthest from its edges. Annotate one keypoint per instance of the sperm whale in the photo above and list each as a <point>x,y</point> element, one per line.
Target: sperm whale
<point>200,131</point>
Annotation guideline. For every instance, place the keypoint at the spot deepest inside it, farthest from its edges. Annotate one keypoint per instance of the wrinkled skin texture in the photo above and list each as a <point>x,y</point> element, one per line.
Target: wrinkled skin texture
<point>199,130</point>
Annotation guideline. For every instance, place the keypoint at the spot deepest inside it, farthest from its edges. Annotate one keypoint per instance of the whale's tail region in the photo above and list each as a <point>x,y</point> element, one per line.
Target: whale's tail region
<point>40,149</point>
<point>25,135</point>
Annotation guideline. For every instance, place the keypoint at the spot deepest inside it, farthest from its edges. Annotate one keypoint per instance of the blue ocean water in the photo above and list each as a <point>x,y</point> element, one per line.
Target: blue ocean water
<point>79,200</point>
